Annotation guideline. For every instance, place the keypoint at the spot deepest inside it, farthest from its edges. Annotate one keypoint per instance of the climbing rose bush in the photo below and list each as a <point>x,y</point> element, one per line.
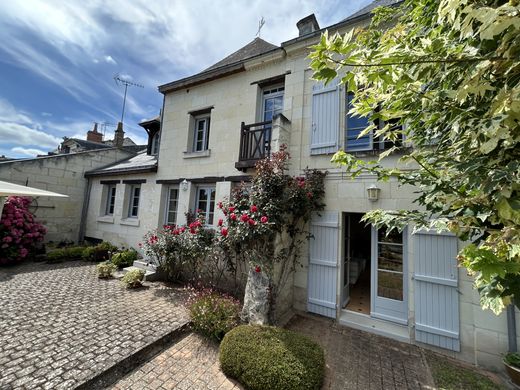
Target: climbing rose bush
<point>19,232</point>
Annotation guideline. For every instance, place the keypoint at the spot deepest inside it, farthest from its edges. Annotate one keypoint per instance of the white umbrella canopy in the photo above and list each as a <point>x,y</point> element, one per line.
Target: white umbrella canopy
<point>10,189</point>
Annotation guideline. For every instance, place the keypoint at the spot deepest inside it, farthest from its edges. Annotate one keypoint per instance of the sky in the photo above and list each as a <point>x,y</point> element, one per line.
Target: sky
<point>58,58</point>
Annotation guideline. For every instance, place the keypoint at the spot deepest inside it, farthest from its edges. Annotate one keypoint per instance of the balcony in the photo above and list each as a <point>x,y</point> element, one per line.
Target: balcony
<point>258,140</point>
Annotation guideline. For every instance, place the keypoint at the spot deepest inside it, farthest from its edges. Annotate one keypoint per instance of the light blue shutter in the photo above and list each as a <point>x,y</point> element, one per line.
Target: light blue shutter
<point>323,264</point>
<point>436,293</point>
<point>325,118</point>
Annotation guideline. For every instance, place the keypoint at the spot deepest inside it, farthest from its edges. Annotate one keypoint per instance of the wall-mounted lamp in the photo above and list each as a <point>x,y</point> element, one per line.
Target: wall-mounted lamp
<point>373,193</point>
<point>184,185</point>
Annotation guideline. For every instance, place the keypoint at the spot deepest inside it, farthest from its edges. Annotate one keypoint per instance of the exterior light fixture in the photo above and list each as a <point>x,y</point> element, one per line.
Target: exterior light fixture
<point>373,193</point>
<point>184,185</point>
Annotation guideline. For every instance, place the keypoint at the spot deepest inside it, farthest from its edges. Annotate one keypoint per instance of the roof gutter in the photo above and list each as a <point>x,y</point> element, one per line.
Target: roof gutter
<point>121,171</point>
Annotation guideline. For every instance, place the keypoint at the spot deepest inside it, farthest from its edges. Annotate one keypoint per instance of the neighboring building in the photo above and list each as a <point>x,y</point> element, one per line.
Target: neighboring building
<point>218,123</point>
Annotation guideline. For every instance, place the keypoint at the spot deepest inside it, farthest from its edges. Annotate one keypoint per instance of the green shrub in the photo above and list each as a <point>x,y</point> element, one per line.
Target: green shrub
<point>88,253</point>
<point>133,278</point>
<point>105,270</point>
<point>513,359</point>
<point>213,314</point>
<point>74,252</point>
<point>263,357</point>
<point>56,256</point>
<point>124,258</point>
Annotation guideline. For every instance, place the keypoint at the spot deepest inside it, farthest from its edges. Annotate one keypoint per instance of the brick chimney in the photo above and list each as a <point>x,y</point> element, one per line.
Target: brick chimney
<point>94,136</point>
<point>119,135</point>
<point>307,25</point>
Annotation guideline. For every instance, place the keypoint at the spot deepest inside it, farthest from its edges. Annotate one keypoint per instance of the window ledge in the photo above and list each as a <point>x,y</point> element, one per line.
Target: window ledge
<point>105,219</point>
<point>204,153</point>
<point>130,222</point>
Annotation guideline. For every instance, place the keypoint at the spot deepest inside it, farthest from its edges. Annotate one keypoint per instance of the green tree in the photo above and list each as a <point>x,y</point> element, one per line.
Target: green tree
<point>449,71</point>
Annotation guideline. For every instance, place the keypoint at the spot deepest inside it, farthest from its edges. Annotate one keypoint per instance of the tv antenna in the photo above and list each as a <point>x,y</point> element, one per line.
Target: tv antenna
<point>121,81</point>
<point>261,23</point>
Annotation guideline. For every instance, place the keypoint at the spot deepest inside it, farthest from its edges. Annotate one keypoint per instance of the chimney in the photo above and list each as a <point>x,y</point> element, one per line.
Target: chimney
<point>307,25</point>
<point>94,136</point>
<point>119,135</point>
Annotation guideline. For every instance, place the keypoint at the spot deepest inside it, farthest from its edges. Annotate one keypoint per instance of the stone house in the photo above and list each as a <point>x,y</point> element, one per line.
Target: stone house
<point>216,124</point>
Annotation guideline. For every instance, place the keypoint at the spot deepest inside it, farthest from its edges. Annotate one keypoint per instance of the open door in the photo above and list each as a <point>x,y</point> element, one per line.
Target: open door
<point>346,263</point>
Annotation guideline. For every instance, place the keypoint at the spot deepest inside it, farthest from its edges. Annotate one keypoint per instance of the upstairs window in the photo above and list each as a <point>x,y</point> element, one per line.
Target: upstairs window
<point>111,200</point>
<point>172,202</point>
<point>206,202</point>
<point>201,133</point>
<point>154,149</point>
<point>133,201</point>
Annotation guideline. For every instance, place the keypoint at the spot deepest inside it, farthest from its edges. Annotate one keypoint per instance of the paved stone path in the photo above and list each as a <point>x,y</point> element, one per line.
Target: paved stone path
<point>60,325</point>
<point>361,360</point>
<point>191,363</point>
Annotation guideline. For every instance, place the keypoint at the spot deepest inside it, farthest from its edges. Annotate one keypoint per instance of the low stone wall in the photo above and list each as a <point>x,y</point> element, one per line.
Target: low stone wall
<point>64,174</point>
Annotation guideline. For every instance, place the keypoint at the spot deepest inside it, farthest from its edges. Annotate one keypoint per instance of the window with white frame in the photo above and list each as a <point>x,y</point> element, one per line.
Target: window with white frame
<point>110,199</point>
<point>172,201</point>
<point>201,133</point>
<point>133,200</point>
<point>206,202</point>
<point>154,149</point>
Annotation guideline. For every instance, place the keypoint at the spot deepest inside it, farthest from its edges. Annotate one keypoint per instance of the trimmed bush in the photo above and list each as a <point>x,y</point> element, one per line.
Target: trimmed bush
<point>213,314</point>
<point>124,258</point>
<point>264,357</point>
<point>56,256</point>
<point>105,270</point>
<point>88,253</point>
<point>74,252</point>
<point>133,278</point>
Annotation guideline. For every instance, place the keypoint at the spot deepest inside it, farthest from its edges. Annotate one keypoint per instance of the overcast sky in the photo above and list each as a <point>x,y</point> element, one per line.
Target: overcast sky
<point>58,58</point>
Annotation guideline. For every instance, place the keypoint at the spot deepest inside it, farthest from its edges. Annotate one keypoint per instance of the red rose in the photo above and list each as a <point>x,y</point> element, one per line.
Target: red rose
<point>233,217</point>
<point>192,230</point>
<point>251,222</point>
<point>244,218</point>
<point>258,269</point>
<point>224,232</point>
<point>220,222</point>
<point>263,219</point>
<point>254,209</point>
<point>219,204</point>
<point>309,195</point>
<point>182,229</point>
<point>231,209</point>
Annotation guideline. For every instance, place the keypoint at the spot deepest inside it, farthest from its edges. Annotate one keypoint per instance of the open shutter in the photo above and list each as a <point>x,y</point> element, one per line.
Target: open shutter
<point>436,293</point>
<point>323,264</point>
<point>325,118</point>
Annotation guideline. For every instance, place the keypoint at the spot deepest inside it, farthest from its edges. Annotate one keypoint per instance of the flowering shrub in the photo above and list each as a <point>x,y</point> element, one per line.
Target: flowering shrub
<point>19,232</point>
<point>105,269</point>
<point>213,314</point>
<point>133,278</point>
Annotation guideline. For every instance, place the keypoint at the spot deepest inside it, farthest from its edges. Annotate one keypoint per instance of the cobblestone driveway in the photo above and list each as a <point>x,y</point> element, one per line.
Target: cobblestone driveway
<point>60,325</point>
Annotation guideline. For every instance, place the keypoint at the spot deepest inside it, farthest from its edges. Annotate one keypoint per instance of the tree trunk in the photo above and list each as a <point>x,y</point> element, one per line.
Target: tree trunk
<point>256,299</point>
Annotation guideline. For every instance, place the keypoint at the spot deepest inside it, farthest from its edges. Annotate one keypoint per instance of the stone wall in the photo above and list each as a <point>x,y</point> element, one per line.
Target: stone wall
<point>64,174</point>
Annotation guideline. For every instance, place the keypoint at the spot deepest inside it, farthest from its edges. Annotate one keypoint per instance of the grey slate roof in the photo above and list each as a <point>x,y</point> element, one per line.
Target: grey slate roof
<point>142,162</point>
<point>90,145</point>
<point>368,9</point>
<point>254,48</point>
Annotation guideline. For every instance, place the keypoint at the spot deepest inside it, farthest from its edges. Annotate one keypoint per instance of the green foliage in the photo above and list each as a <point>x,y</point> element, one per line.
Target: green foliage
<point>56,256</point>
<point>133,278</point>
<point>124,258</point>
<point>67,253</point>
<point>99,252</point>
<point>88,253</point>
<point>74,252</point>
<point>105,270</point>
<point>213,314</point>
<point>449,71</point>
<point>513,359</point>
<point>272,358</point>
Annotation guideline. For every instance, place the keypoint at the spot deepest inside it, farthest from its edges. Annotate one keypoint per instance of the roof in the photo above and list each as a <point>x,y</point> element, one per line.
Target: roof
<point>254,48</point>
<point>369,8</point>
<point>88,145</point>
<point>233,63</point>
<point>8,189</point>
<point>142,162</point>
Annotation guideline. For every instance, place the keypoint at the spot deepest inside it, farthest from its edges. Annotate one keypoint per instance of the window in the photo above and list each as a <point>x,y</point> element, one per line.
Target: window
<point>133,205</point>
<point>201,133</point>
<point>110,200</point>
<point>272,102</point>
<point>172,201</point>
<point>154,149</point>
<point>206,202</point>
<point>354,125</point>
<point>390,264</point>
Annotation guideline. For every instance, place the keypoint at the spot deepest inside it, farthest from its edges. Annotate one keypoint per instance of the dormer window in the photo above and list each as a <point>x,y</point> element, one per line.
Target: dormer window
<point>154,149</point>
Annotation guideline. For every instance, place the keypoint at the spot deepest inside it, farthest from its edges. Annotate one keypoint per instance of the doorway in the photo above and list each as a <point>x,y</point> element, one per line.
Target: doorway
<point>357,264</point>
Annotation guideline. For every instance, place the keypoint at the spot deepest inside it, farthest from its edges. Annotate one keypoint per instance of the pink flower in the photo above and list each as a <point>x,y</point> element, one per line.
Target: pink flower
<point>258,269</point>
<point>244,218</point>
<point>309,195</point>
<point>24,252</point>
<point>254,209</point>
<point>231,209</point>
<point>224,232</point>
<point>220,222</point>
<point>263,219</point>
<point>219,205</point>
<point>7,239</point>
<point>251,222</point>
<point>233,217</point>
<point>182,229</point>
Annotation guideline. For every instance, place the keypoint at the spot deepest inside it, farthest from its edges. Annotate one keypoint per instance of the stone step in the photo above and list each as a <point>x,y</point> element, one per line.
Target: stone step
<point>149,276</point>
<point>145,265</point>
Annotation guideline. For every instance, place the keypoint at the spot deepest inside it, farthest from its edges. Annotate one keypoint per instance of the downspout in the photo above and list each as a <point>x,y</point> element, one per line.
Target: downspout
<point>511,327</point>
<point>84,210</point>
